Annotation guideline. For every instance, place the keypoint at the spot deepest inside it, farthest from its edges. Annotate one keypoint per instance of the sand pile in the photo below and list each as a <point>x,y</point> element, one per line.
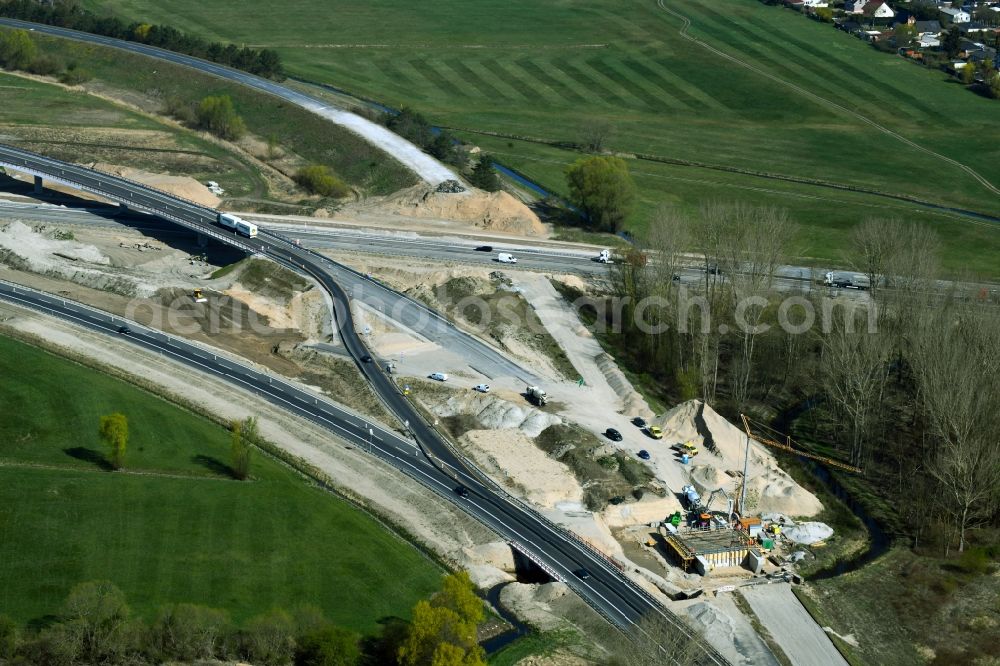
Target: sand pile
<point>180,186</point>
<point>497,414</point>
<point>495,211</point>
<point>719,463</point>
<point>540,479</point>
<point>808,533</point>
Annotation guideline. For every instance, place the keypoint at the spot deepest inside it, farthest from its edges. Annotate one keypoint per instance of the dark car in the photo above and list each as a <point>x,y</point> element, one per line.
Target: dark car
<point>713,270</point>
<point>462,491</point>
<point>644,454</point>
<point>613,435</point>
<point>125,330</point>
<point>484,248</point>
<point>582,574</point>
<point>366,358</point>
<point>639,422</point>
<point>675,277</point>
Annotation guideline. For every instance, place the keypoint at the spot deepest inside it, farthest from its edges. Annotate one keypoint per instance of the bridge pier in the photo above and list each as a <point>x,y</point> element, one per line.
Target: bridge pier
<point>202,240</point>
<point>38,184</point>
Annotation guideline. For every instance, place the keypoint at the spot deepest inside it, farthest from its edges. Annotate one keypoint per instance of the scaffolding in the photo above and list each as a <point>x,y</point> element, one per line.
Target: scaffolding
<point>708,549</point>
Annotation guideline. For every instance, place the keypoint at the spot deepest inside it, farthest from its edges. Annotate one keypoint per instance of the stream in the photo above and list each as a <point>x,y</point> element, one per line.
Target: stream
<point>878,540</point>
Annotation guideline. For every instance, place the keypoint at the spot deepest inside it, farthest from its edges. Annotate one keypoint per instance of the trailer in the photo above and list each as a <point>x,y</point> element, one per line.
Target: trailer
<point>846,280</point>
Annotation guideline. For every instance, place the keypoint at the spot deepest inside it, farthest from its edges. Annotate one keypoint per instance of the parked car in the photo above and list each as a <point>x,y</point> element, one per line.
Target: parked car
<point>639,422</point>
<point>482,388</point>
<point>644,454</point>
<point>125,330</point>
<point>439,376</point>
<point>613,435</point>
<point>484,248</point>
<point>655,432</point>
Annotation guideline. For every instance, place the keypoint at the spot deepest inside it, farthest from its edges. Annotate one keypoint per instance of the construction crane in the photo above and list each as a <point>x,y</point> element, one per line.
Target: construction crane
<point>790,448</point>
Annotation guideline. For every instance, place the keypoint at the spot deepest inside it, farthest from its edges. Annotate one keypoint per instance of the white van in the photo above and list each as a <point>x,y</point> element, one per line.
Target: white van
<point>439,376</point>
<point>505,258</point>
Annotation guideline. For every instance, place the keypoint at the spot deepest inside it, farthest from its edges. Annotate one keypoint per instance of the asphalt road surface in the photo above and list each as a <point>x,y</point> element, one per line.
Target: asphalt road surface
<point>554,549</point>
<point>425,166</point>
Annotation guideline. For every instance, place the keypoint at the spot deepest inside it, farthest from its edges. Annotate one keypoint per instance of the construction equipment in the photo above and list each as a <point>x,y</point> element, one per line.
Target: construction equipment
<point>789,446</point>
<point>675,518</point>
<point>715,493</point>
<point>198,296</point>
<point>537,396</point>
<point>687,447</point>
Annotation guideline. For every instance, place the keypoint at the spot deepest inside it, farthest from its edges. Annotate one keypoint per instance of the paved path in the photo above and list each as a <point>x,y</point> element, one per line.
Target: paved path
<point>793,629</point>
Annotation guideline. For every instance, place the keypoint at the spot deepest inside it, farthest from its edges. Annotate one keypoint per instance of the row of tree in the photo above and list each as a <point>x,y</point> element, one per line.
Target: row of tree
<point>69,14</point>
<point>96,626</point>
<point>244,436</point>
<point>907,385</point>
<point>19,51</point>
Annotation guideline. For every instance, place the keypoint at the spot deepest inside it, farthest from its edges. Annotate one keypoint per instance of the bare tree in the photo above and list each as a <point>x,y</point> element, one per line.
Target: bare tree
<point>596,134</point>
<point>749,245</point>
<point>855,368</point>
<point>873,246</point>
<point>956,358</point>
<point>659,640</point>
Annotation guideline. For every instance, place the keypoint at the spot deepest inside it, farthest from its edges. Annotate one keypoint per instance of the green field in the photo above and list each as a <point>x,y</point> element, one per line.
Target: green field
<point>76,126</point>
<point>174,527</point>
<point>546,70</point>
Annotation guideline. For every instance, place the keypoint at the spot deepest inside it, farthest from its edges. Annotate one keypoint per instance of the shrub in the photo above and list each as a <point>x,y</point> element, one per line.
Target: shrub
<point>181,109</point>
<point>217,115</point>
<point>603,189</point>
<point>17,50</point>
<point>45,65</point>
<point>75,75</point>
<point>318,179</point>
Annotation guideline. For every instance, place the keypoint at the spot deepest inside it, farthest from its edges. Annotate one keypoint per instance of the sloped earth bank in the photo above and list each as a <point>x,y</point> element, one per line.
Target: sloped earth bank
<point>489,211</point>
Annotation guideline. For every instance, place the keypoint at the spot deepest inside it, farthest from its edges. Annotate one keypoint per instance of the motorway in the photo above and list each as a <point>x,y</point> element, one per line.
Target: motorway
<point>423,165</point>
<point>554,549</point>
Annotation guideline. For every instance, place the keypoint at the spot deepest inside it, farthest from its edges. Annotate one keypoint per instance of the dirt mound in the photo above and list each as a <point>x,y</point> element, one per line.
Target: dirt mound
<point>495,211</point>
<point>181,186</point>
<point>497,414</point>
<point>721,449</point>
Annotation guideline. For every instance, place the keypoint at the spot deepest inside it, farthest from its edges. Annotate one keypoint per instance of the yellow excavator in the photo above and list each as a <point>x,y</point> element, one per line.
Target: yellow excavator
<point>198,296</point>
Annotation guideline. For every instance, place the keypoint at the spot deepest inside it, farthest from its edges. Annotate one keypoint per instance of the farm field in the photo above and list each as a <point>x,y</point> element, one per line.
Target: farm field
<point>175,527</point>
<point>548,69</point>
<point>823,217</point>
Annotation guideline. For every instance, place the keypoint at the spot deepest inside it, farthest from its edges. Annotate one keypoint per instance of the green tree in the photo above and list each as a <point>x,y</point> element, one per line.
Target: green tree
<point>244,435</point>
<point>114,433</point>
<point>458,594</point>
<point>824,14</point>
<point>484,176</point>
<point>968,74</point>
<point>994,84</point>
<point>318,179</point>
<point>443,631</point>
<point>603,189</point>
<point>327,646</point>
<point>951,42</point>
<point>903,34</point>
<point>17,49</point>
<point>218,116</point>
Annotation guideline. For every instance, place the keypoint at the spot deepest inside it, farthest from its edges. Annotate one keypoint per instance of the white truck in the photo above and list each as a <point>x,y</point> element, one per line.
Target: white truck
<point>537,395</point>
<point>846,280</point>
<point>238,224</point>
<point>604,257</point>
<point>506,258</point>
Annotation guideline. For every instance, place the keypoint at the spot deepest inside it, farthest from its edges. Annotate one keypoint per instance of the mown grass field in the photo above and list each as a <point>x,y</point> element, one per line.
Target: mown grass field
<point>547,69</point>
<point>174,527</point>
